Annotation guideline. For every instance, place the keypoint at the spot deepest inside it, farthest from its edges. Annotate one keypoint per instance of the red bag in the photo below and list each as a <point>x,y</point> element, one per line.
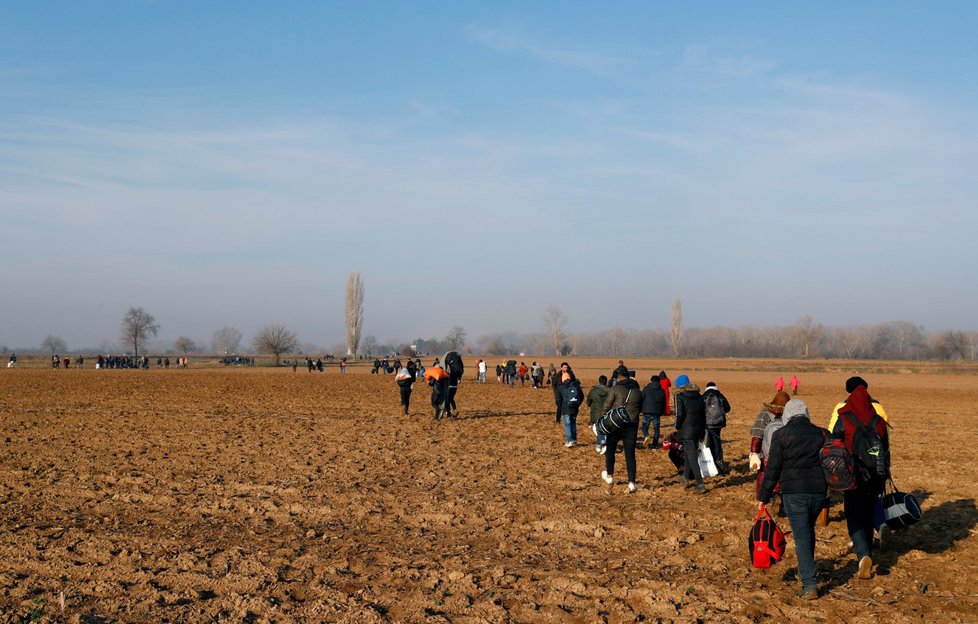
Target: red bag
<point>766,540</point>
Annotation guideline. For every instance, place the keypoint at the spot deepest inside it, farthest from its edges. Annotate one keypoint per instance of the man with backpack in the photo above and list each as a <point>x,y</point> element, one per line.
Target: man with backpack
<point>455,368</point>
<point>865,436</point>
<point>794,461</point>
<point>569,399</point>
<point>653,404</point>
<point>717,408</point>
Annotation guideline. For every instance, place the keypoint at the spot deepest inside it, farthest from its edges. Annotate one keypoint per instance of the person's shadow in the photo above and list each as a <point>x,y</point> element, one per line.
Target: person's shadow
<point>938,530</point>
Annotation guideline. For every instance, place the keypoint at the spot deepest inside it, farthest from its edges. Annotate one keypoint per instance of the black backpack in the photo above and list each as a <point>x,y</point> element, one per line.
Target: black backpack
<point>837,464</point>
<point>715,416</point>
<point>573,395</point>
<point>870,453</point>
<point>453,364</point>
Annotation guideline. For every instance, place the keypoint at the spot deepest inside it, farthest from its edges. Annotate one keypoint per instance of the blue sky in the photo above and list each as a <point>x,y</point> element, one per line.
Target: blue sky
<point>227,163</point>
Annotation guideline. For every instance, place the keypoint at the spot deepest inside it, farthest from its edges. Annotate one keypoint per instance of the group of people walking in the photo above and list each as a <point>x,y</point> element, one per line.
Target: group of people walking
<point>786,449</point>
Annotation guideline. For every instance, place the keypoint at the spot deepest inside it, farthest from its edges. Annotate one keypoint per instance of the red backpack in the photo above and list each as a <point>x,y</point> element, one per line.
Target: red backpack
<point>766,540</point>
<point>837,464</point>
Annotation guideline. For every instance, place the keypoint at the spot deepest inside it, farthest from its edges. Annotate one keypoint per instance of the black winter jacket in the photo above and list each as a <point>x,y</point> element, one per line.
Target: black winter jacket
<point>690,414</point>
<point>653,399</point>
<point>794,460</point>
<point>564,405</point>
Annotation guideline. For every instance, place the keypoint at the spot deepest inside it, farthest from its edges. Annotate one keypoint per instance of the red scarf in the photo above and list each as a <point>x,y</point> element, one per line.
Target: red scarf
<point>860,405</point>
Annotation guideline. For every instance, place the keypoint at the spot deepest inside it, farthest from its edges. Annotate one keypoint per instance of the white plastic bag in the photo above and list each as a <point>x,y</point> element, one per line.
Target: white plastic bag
<point>708,467</point>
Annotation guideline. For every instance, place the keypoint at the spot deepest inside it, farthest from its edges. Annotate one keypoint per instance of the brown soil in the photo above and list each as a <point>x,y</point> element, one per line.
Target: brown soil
<point>263,495</point>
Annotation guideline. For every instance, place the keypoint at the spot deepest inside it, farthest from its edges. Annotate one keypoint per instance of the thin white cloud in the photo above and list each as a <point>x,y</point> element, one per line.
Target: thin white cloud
<point>504,41</point>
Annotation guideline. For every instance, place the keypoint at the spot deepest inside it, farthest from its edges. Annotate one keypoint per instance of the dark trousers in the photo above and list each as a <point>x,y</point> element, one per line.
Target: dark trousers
<point>627,436</point>
<point>654,420</point>
<point>406,397</point>
<point>692,467</point>
<point>450,398</point>
<point>860,509</point>
<point>713,438</point>
<point>802,508</point>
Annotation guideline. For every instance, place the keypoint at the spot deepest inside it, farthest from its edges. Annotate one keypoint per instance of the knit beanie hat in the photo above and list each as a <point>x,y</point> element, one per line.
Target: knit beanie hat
<point>854,382</point>
<point>682,381</point>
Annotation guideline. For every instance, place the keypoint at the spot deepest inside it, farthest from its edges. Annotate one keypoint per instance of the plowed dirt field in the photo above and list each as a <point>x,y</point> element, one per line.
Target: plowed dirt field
<point>263,495</point>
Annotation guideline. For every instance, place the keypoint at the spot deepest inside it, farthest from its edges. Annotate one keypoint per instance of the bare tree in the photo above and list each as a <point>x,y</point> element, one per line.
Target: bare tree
<point>54,344</point>
<point>951,345</point>
<point>184,345</point>
<point>275,339</point>
<point>677,327</point>
<point>354,311</point>
<point>455,338</point>
<point>226,340</point>
<point>556,321</point>
<point>137,326</point>
<point>806,333</point>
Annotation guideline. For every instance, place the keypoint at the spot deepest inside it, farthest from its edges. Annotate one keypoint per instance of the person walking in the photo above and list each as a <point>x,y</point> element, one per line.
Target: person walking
<point>437,379</point>
<point>569,399</point>
<point>455,368</point>
<point>769,413</point>
<point>666,385</point>
<point>864,433</point>
<point>482,371</point>
<point>625,393</point>
<point>653,405</point>
<point>691,427</point>
<point>596,398</point>
<point>717,408</point>
<point>405,379</point>
<point>779,384</point>
<point>795,462</point>
<point>793,383</point>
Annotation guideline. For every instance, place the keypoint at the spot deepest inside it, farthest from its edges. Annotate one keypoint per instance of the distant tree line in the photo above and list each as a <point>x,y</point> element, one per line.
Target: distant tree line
<point>890,340</point>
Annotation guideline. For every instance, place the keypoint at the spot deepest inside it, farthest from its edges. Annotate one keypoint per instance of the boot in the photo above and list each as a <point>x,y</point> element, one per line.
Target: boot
<point>404,409</point>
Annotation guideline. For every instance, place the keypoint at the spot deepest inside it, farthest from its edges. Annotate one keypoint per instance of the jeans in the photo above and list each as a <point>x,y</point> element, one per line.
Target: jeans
<point>713,439</point>
<point>482,377</point>
<point>860,509</point>
<point>627,436</point>
<point>802,508</point>
<point>570,427</point>
<point>692,467</point>
<point>654,420</point>
<point>601,439</point>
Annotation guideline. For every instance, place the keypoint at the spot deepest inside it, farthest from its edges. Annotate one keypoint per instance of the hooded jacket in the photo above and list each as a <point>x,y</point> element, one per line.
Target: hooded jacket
<point>597,396</point>
<point>626,392</point>
<point>795,459</point>
<point>690,413</point>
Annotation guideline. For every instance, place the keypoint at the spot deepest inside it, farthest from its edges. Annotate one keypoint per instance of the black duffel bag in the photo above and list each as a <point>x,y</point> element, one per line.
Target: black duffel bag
<point>613,420</point>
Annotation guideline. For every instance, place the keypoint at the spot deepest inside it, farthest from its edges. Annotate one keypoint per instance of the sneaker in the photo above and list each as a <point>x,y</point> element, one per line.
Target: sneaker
<point>808,593</point>
<point>569,444</point>
<point>602,450</point>
<point>632,488</point>
<point>700,489</point>
<point>645,442</point>
<point>607,477</point>
<point>597,449</point>
<point>684,480</point>
<point>865,568</point>
<point>886,533</point>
